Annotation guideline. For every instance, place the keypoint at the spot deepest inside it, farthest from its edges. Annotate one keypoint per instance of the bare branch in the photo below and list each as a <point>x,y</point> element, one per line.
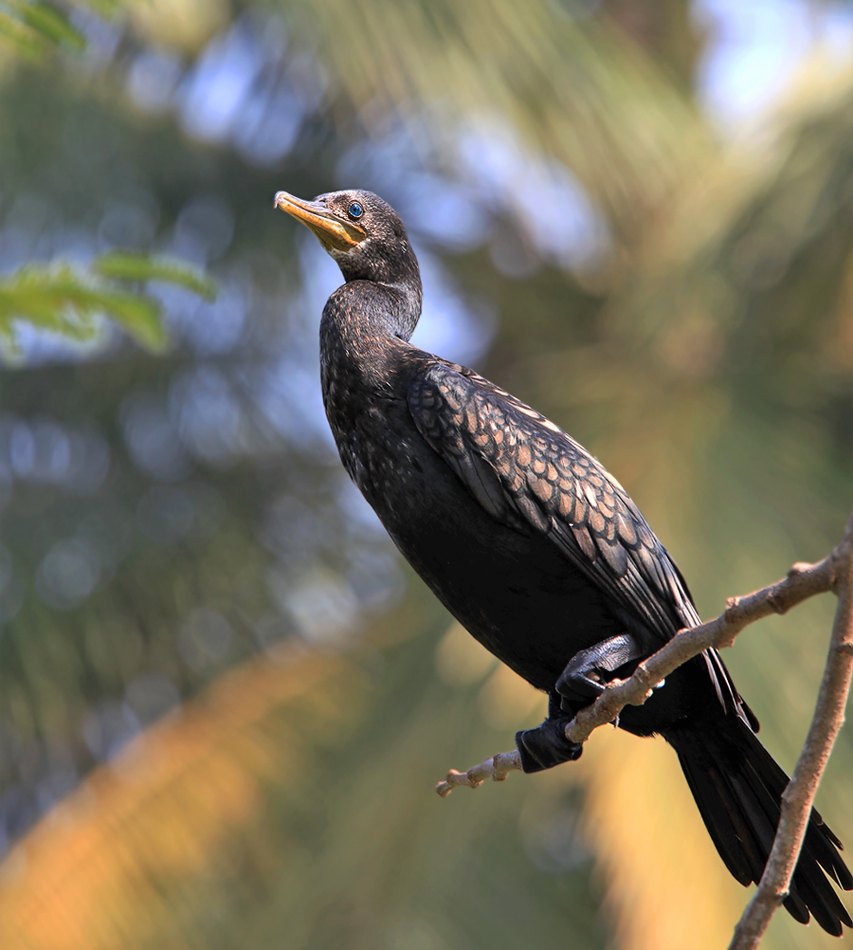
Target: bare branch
<point>496,768</point>
<point>802,581</point>
<point>799,795</point>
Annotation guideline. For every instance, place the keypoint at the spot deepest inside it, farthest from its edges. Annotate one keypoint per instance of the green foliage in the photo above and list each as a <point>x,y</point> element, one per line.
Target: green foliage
<point>34,29</point>
<point>570,86</point>
<point>64,300</point>
<point>138,267</point>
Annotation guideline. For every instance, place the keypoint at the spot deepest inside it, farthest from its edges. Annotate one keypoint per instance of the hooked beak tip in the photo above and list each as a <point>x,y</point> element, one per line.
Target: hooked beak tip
<point>333,233</point>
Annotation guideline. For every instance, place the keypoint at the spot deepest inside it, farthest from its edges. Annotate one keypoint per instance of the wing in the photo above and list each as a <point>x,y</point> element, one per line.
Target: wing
<point>527,473</point>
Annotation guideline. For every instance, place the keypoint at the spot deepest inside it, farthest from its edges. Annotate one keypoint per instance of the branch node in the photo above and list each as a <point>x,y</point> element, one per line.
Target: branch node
<point>837,580</point>
<point>644,679</point>
<point>727,639</point>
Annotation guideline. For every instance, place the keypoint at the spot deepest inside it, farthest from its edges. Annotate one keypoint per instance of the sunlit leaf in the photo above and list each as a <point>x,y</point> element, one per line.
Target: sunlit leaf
<point>123,266</point>
<point>33,28</point>
<point>69,302</point>
<point>63,301</point>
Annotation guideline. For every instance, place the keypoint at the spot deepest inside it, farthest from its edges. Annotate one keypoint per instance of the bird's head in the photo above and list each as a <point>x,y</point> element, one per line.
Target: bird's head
<point>363,233</point>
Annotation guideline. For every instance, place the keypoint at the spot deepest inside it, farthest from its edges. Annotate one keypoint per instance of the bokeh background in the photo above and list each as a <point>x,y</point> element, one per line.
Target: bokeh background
<point>224,700</point>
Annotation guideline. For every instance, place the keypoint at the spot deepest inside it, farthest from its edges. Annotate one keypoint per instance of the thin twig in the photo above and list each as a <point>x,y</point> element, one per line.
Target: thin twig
<point>496,768</point>
<point>799,795</point>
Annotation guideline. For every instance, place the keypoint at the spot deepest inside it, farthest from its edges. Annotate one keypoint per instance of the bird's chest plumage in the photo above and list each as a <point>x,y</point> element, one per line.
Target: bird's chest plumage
<point>371,431</point>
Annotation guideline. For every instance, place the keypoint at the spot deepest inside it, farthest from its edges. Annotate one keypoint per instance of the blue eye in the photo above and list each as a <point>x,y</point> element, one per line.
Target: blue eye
<point>355,210</point>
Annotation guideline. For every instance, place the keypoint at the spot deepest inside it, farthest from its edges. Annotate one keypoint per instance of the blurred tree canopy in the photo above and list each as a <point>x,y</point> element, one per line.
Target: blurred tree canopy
<point>223,700</point>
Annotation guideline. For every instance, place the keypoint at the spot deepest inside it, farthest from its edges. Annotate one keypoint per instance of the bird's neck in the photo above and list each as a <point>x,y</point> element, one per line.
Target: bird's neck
<point>364,337</point>
<point>363,318</point>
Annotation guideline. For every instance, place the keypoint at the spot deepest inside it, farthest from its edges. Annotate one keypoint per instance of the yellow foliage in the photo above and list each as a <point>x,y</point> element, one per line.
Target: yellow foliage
<point>666,886</point>
<point>110,867</point>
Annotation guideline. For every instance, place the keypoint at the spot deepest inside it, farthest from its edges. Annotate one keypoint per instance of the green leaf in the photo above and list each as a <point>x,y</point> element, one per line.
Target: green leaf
<point>50,23</point>
<point>123,266</point>
<point>104,8</point>
<point>15,34</point>
<point>34,28</point>
<point>62,300</point>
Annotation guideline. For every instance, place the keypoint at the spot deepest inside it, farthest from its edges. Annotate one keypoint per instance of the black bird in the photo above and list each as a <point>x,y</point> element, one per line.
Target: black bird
<point>534,547</point>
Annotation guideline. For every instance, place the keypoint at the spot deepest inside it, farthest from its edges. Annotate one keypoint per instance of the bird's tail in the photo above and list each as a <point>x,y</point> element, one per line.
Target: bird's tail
<point>738,788</point>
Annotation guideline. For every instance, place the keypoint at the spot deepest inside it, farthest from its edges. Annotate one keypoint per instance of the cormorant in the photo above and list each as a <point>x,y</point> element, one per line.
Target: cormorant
<point>534,547</point>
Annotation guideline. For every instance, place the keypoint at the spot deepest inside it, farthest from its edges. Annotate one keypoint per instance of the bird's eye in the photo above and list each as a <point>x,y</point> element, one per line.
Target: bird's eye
<point>355,210</point>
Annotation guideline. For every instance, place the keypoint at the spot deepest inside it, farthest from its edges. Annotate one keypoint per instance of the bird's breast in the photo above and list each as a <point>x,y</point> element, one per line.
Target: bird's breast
<point>510,588</point>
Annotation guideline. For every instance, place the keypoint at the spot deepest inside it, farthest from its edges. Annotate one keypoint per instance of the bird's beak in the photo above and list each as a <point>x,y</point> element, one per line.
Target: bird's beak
<point>334,234</point>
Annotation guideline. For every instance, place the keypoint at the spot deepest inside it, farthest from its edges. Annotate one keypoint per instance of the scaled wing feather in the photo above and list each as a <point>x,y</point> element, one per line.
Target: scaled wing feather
<point>526,472</point>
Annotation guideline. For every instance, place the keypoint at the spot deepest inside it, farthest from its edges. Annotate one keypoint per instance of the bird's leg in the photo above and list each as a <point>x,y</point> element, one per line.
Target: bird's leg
<point>586,674</point>
<point>547,745</point>
<point>580,683</point>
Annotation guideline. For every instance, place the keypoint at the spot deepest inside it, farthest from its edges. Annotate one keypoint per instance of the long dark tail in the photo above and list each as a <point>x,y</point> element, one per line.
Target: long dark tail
<point>738,787</point>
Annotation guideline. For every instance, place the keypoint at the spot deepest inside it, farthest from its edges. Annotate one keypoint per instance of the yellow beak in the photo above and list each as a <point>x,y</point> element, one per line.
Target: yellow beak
<point>334,234</point>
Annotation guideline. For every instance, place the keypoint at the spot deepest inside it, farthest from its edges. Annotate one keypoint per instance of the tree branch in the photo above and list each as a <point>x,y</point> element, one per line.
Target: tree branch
<point>496,768</point>
<point>802,581</point>
<point>799,795</point>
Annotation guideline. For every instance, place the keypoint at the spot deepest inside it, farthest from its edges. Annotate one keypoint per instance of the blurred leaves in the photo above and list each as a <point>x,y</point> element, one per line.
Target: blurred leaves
<point>567,84</point>
<point>123,875</point>
<point>34,28</point>
<point>104,8</point>
<point>277,810</point>
<point>137,267</point>
<point>63,300</point>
